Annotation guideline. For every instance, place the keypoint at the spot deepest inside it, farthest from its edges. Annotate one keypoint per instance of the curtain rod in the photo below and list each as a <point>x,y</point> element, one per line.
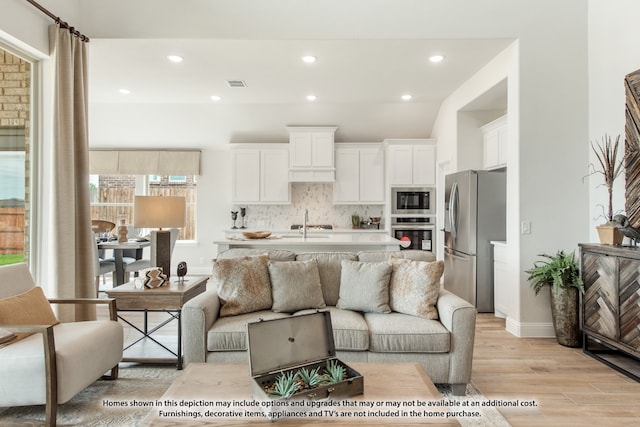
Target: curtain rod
<point>59,21</point>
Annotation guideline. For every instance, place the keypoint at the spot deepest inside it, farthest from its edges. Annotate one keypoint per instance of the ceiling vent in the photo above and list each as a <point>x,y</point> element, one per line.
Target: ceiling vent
<point>236,83</point>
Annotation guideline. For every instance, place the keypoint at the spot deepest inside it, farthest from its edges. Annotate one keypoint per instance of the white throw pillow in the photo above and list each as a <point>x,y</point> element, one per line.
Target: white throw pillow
<point>295,285</point>
<point>364,286</point>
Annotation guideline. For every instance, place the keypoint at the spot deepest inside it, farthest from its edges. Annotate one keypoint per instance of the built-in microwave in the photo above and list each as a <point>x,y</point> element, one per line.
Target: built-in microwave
<point>413,201</point>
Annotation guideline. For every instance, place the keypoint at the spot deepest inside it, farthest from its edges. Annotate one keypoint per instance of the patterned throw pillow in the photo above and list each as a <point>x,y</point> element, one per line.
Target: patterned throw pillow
<point>295,285</point>
<point>415,286</point>
<point>364,286</point>
<point>243,284</point>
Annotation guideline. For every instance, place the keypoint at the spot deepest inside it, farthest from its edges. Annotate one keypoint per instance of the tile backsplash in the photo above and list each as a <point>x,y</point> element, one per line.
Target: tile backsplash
<point>315,197</point>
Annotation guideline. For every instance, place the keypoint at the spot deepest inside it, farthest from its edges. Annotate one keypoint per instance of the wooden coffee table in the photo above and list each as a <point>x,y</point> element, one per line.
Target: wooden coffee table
<point>168,299</point>
<point>204,384</point>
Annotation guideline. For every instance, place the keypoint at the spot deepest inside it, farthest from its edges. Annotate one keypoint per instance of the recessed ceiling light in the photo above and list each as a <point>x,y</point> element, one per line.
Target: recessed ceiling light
<point>311,97</point>
<point>309,59</point>
<point>436,58</point>
<point>174,58</point>
<point>406,97</point>
<point>215,97</point>
<point>125,91</point>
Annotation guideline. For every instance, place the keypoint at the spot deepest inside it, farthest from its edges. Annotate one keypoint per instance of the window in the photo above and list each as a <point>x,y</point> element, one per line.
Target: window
<point>112,197</point>
<point>15,156</point>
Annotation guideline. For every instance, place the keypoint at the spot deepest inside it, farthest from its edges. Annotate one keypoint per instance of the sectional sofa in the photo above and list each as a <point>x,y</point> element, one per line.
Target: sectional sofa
<point>377,300</point>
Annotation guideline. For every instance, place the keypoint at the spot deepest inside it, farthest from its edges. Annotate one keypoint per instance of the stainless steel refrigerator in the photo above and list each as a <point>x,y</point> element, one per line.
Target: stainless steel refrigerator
<point>475,214</point>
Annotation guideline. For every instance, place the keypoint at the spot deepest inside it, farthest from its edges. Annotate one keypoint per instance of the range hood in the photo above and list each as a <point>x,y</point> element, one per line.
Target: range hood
<point>312,175</point>
<point>311,156</point>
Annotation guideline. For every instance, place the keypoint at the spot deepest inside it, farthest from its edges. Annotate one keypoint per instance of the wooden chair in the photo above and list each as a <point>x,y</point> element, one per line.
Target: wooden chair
<point>57,361</point>
<point>101,226</point>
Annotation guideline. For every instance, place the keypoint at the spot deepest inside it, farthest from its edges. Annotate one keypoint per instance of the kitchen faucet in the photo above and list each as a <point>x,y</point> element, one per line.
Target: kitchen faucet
<point>305,217</point>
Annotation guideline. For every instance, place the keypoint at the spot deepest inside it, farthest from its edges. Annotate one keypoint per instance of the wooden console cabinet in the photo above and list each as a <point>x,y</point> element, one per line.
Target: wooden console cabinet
<point>610,306</point>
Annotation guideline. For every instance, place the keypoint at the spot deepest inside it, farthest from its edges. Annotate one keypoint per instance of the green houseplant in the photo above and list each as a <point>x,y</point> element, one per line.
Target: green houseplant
<point>610,168</point>
<point>561,273</point>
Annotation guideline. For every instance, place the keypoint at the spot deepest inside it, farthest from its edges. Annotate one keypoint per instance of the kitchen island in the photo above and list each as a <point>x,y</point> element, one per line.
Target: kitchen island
<point>315,242</point>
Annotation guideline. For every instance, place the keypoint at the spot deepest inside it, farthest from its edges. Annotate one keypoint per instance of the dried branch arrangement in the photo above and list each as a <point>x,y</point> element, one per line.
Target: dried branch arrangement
<point>610,167</point>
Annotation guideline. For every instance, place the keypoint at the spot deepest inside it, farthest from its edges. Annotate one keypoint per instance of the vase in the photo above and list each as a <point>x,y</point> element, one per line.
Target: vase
<point>564,312</point>
<point>609,235</point>
<point>122,232</point>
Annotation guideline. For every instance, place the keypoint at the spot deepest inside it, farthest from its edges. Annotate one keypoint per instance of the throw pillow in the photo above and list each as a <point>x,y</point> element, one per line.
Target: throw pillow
<point>415,286</point>
<point>295,285</point>
<point>28,308</point>
<point>243,284</point>
<point>364,286</point>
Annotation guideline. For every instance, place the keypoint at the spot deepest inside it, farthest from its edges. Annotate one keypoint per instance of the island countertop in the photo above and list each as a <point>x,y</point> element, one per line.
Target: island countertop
<point>315,242</point>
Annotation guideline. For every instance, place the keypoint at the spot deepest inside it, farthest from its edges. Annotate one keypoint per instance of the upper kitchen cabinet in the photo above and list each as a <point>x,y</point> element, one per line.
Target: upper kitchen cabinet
<point>311,154</point>
<point>260,174</point>
<point>411,162</point>
<point>494,136</point>
<point>359,174</point>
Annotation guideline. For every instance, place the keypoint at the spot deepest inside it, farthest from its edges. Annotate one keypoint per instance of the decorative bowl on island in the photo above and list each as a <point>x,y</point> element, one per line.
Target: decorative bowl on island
<point>256,234</point>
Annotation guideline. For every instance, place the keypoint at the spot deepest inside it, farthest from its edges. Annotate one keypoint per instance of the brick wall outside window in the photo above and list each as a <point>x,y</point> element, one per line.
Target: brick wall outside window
<point>15,107</point>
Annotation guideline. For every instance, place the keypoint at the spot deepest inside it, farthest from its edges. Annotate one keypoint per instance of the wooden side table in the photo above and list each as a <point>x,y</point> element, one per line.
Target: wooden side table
<point>169,299</point>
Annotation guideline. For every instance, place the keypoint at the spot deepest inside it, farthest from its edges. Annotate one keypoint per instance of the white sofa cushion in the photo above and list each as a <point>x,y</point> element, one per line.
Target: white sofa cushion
<point>84,352</point>
<point>403,333</point>
<point>230,333</point>
<point>350,331</point>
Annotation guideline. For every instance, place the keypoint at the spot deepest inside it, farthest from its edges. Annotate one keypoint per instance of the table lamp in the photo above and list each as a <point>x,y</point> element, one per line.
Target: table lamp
<point>160,212</point>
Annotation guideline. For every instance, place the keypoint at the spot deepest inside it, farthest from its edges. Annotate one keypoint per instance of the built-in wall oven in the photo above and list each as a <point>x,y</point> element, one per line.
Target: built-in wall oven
<point>413,201</point>
<point>415,232</point>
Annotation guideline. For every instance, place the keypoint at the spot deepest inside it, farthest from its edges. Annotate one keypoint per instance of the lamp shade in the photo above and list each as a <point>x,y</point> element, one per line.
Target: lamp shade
<point>159,212</point>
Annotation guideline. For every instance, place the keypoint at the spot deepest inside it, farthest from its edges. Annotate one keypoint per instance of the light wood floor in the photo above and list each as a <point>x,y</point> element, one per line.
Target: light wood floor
<point>569,387</point>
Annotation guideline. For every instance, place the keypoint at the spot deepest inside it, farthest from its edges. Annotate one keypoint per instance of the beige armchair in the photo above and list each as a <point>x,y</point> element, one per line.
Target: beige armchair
<point>57,361</point>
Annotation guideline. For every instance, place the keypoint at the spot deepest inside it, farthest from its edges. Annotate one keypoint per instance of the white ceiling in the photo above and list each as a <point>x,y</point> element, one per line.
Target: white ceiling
<point>346,71</point>
<point>369,54</point>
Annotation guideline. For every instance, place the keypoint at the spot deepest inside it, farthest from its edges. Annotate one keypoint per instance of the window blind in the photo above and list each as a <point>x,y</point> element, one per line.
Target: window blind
<point>144,162</point>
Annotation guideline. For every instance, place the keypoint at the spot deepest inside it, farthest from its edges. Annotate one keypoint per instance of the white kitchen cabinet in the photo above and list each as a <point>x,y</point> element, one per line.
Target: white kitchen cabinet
<point>359,174</point>
<point>494,135</point>
<point>500,280</point>
<point>260,174</point>
<point>412,164</point>
<point>311,154</point>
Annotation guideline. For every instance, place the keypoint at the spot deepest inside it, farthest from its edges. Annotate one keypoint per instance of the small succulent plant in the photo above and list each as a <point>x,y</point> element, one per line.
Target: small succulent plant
<point>335,371</point>
<point>311,377</point>
<point>285,385</point>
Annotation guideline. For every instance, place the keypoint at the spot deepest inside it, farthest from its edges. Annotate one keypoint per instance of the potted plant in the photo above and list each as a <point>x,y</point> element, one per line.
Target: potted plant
<point>561,273</point>
<point>610,168</point>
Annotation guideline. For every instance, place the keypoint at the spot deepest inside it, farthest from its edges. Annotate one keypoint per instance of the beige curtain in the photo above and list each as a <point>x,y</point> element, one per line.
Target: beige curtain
<point>71,218</point>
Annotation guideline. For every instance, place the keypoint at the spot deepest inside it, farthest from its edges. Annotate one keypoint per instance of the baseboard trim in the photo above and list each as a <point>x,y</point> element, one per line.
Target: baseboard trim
<point>530,329</point>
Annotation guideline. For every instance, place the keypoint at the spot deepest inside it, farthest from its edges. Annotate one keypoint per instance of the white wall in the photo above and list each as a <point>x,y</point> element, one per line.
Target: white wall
<point>547,107</point>
<point>548,90</point>
<point>613,53</point>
